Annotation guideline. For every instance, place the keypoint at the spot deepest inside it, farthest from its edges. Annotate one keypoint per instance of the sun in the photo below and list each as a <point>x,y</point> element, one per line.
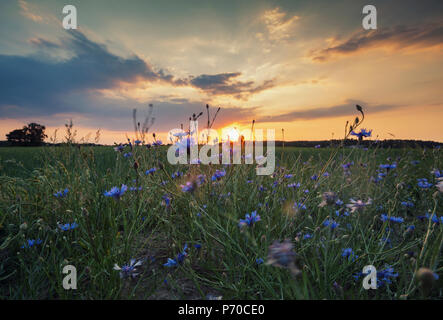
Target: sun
<point>230,133</point>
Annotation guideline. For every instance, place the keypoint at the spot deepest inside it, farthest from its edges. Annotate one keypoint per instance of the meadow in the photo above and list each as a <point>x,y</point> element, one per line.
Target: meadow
<point>311,228</point>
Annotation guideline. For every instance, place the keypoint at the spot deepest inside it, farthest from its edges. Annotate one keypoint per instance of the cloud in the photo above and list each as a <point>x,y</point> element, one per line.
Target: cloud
<point>345,109</point>
<point>225,84</point>
<point>28,11</point>
<point>279,26</point>
<point>43,86</point>
<point>424,36</point>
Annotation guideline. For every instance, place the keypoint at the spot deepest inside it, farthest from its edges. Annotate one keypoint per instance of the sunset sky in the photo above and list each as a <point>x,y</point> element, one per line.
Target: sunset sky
<point>300,66</point>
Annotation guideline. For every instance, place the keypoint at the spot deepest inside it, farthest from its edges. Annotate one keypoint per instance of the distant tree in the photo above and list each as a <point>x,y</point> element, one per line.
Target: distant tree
<point>33,134</point>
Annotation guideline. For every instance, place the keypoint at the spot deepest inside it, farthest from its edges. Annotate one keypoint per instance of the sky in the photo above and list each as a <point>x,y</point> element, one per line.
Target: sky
<point>300,66</point>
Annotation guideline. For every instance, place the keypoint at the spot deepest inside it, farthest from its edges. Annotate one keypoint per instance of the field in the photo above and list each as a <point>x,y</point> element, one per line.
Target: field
<point>193,241</point>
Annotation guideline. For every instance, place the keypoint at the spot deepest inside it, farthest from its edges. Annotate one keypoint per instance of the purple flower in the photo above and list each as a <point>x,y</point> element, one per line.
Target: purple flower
<point>129,269</point>
<point>249,220</point>
<point>61,194</point>
<point>115,192</point>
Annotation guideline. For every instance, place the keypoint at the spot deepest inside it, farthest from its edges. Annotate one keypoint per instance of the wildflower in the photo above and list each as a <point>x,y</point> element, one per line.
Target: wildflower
<point>119,148</point>
<point>317,146</point>
<point>115,192</point>
<point>346,166</point>
<point>384,218</point>
<point>180,258</point>
<point>129,269</point>
<point>157,143</point>
<point>137,142</point>
<point>358,205</point>
<point>314,177</point>
<point>407,204</point>
<point>166,200</point>
<point>136,189</point>
<point>171,263</point>
<point>281,255</point>
<point>150,171</point>
<point>68,226</point>
<point>127,155</point>
<point>61,194</point>
<point>188,187</point>
<point>362,133</point>
<point>329,198</point>
<point>437,173</point>
<point>259,261</point>
<point>331,223</point>
<point>423,183</point>
<point>294,185</point>
<point>218,175</point>
<point>31,242</point>
<point>299,206</point>
<point>249,220</point>
<point>339,202</point>
<point>177,174</point>
<point>388,166</point>
<point>349,253</point>
<point>307,236</point>
<point>326,174</point>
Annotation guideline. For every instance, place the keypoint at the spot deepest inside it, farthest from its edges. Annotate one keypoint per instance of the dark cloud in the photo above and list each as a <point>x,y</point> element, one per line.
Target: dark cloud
<point>225,84</point>
<point>43,86</point>
<point>346,109</point>
<point>422,35</point>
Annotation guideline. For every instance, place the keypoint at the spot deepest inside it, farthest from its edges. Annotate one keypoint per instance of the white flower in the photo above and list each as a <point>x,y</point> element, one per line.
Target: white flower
<point>358,205</point>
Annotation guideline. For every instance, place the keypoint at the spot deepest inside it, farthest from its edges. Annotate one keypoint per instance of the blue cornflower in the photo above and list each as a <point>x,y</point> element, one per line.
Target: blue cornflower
<point>339,202</point>
<point>127,155</point>
<point>166,200</point>
<point>307,236</point>
<point>410,228</point>
<point>294,185</point>
<point>61,194</point>
<point>157,143</point>
<point>362,133</point>
<point>437,173</point>
<point>388,166</point>
<point>150,171</point>
<point>349,253</point>
<point>259,261</point>
<point>115,192</point>
<point>326,174</point>
<point>249,219</point>
<point>331,223</point>
<point>317,146</point>
<point>68,226</point>
<point>314,177</point>
<point>31,242</point>
<point>180,257</point>
<point>385,217</point>
<point>299,206</point>
<point>188,187</point>
<point>218,175</point>
<point>177,174</point>
<point>423,183</point>
<point>407,204</point>
<point>129,269</point>
<point>137,142</point>
<point>136,189</point>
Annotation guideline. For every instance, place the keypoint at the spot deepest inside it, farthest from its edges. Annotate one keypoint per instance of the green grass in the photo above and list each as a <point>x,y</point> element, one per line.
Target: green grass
<point>140,226</point>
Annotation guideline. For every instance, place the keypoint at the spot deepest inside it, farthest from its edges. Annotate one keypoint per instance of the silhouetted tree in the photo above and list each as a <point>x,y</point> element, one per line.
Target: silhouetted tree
<point>33,135</point>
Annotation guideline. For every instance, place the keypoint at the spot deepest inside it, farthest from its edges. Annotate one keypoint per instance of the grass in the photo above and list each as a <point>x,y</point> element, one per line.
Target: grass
<point>141,225</point>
